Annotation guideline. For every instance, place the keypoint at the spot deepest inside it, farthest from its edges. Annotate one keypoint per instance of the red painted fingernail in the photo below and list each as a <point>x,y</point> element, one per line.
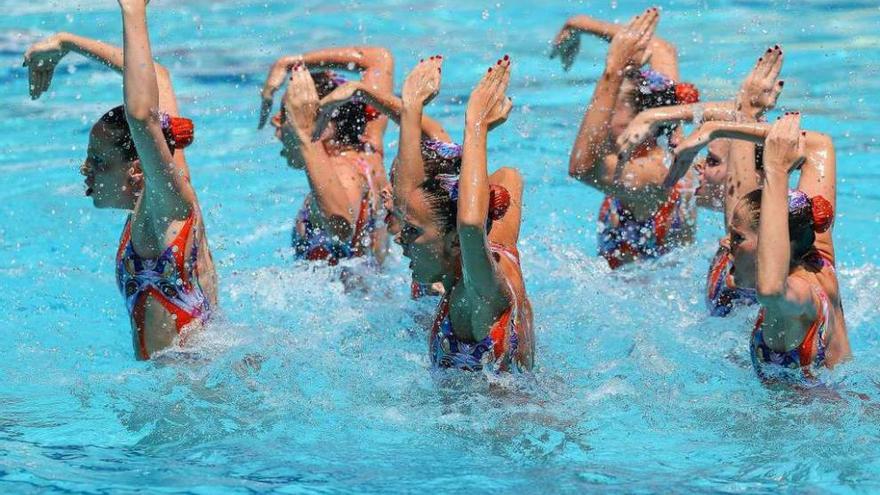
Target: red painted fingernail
<point>776,46</point>
<point>782,83</point>
<point>769,50</point>
<point>507,57</point>
<point>803,133</point>
<point>490,69</point>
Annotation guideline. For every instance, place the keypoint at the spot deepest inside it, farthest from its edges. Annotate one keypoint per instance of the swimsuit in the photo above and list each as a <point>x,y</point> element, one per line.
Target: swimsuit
<point>316,244</point>
<point>622,237</point>
<point>802,362</point>
<point>500,346</point>
<point>172,279</point>
<point>721,294</point>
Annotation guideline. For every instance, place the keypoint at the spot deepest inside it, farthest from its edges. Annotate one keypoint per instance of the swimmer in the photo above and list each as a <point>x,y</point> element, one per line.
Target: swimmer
<point>135,162</point>
<point>341,218</point>
<point>640,218</point>
<point>757,95</point>
<point>391,106</point>
<point>461,228</point>
<point>801,326</point>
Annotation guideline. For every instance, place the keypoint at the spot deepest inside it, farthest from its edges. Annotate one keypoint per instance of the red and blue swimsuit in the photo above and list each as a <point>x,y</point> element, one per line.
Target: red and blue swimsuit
<point>172,279</point>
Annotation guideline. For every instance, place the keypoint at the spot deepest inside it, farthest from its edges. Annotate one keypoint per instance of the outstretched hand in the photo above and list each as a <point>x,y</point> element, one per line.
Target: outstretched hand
<point>489,105</point>
<point>300,104</point>
<point>761,88</point>
<point>41,59</point>
<point>277,73</point>
<point>423,83</point>
<point>784,148</point>
<point>566,46</point>
<point>688,149</point>
<point>629,47</point>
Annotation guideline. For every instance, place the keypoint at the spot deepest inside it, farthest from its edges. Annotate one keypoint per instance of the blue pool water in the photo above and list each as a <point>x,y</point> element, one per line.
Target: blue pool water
<point>303,388</point>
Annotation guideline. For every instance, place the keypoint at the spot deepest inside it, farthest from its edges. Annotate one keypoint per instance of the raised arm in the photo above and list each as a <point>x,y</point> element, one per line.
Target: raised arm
<point>419,88</point>
<point>757,95</point>
<point>487,108</point>
<point>300,107</point>
<point>566,45</point>
<point>593,141</point>
<point>646,123</point>
<point>782,296</point>
<point>167,190</point>
<point>386,103</point>
<point>43,57</point>
<point>375,63</point>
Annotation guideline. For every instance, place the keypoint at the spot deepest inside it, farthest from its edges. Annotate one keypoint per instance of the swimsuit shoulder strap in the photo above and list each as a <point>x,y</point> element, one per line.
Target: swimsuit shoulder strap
<point>441,316</point>
<point>125,239</point>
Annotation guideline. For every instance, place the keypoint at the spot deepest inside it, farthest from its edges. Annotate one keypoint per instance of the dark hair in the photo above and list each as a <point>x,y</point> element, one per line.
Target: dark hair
<point>441,204</point>
<point>813,215</point>
<point>444,205</point>
<point>350,118</point>
<point>178,132</point>
<point>654,89</point>
<point>437,163</point>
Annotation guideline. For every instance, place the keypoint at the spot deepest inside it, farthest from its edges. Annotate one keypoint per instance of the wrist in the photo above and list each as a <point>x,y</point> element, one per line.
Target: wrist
<point>475,127</point>
<point>614,69</point>
<point>134,7</point>
<point>578,23</point>
<point>773,173</point>
<point>745,112</point>
<point>411,107</point>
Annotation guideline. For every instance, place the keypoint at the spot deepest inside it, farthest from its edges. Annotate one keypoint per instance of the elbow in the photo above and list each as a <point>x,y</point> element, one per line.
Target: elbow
<point>162,73</point>
<point>577,168</point>
<point>471,228</point>
<point>142,115</point>
<point>769,292</point>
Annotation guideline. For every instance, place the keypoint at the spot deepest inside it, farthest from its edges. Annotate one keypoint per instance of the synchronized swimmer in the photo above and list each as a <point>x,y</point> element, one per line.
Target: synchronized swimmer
<point>457,223</point>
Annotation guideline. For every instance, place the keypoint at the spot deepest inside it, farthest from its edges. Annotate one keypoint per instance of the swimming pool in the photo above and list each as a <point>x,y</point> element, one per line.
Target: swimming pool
<point>636,389</point>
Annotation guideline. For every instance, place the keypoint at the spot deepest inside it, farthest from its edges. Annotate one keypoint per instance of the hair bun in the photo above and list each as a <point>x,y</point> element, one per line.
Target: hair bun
<point>499,202</point>
<point>181,132</point>
<point>823,213</point>
<point>686,93</point>
<point>370,113</point>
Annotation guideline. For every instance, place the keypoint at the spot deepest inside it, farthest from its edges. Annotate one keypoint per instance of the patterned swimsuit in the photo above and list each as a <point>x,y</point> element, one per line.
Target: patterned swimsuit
<point>803,362</point>
<point>317,244</point>
<point>496,350</point>
<point>721,294</point>
<point>623,238</point>
<point>172,279</point>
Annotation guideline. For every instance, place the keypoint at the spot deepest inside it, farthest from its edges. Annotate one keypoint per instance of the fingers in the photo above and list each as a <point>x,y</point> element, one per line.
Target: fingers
<point>646,21</point>
<point>265,110</point>
<point>47,80</point>
<point>32,82</point>
<point>771,57</point>
<point>305,85</point>
<point>776,67</point>
<point>652,19</point>
<point>37,84</point>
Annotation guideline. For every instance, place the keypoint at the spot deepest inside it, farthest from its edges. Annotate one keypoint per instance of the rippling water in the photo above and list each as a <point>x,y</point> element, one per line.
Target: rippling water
<point>302,387</point>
